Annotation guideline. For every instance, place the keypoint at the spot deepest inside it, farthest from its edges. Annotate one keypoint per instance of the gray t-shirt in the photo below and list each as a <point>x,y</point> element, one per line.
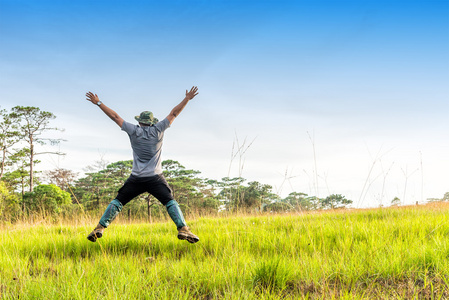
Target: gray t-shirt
<point>146,142</point>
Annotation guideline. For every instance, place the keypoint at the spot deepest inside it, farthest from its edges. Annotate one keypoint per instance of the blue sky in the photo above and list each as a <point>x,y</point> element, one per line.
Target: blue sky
<point>364,82</point>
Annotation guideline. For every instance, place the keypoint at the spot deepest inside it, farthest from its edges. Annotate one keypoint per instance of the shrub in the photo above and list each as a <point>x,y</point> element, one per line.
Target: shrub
<point>9,203</point>
<point>46,199</point>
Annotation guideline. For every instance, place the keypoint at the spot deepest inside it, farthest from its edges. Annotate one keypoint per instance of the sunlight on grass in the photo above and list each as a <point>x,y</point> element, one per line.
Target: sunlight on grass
<point>392,253</point>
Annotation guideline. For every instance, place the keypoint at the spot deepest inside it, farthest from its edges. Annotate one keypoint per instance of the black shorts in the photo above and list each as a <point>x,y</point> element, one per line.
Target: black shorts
<point>155,185</point>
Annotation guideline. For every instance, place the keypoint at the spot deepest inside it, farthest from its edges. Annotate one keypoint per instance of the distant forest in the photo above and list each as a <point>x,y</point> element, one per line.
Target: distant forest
<point>25,193</point>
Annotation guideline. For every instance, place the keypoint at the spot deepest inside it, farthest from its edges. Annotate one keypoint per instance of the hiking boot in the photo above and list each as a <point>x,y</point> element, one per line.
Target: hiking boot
<point>96,233</point>
<point>185,234</point>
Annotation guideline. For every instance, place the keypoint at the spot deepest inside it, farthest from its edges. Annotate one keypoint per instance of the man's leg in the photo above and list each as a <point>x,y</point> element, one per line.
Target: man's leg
<point>175,213</point>
<point>109,215</point>
<point>126,193</point>
<point>160,189</point>
<point>113,209</point>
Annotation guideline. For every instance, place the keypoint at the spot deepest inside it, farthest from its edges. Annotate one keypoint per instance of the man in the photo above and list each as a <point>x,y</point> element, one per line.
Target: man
<point>146,175</point>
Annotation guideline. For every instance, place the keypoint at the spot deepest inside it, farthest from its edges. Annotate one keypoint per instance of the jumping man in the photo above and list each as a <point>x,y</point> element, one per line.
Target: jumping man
<point>146,176</point>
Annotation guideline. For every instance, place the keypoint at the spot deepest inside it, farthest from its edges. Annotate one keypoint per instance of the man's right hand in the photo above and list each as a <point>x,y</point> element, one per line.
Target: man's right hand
<point>92,97</point>
<point>109,112</point>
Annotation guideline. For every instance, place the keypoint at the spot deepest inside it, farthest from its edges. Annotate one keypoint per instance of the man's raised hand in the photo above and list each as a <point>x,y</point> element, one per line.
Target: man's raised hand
<point>92,97</point>
<point>193,92</point>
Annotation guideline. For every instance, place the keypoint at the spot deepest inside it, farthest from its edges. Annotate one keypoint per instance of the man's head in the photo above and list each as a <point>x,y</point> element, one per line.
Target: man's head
<point>146,118</point>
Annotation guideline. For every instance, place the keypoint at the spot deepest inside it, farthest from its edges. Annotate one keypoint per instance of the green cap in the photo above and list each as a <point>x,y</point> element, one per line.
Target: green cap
<point>146,117</point>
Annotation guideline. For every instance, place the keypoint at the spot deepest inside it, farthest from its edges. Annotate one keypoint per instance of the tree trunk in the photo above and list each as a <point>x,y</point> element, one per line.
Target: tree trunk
<point>23,193</point>
<point>23,185</point>
<point>31,164</point>
<point>3,163</point>
<point>149,208</point>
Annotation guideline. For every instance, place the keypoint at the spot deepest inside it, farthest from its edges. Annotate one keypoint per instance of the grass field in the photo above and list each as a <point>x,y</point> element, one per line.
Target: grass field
<point>390,253</point>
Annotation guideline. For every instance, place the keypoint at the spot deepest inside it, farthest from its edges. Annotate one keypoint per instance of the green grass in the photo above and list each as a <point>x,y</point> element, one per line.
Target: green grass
<point>394,253</point>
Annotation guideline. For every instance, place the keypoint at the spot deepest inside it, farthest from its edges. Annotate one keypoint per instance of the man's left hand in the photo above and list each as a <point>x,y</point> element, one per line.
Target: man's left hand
<point>193,92</point>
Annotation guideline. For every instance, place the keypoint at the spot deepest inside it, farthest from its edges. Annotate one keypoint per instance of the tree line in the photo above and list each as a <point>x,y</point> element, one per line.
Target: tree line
<point>60,192</point>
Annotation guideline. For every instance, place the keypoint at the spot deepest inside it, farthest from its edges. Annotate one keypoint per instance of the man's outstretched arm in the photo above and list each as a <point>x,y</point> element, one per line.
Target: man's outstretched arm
<point>178,108</point>
<point>109,112</point>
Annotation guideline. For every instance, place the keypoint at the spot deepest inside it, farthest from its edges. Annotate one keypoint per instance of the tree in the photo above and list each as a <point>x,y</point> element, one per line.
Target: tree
<point>46,199</point>
<point>17,178</point>
<point>396,201</point>
<point>300,201</point>
<point>173,169</point>
<point>335,201</point>
<point>278,207</point>
<point>257,194</point>
<point>446,196</point>
<point>9,136</point>
<point>236,196</point>
<point>62,178</point>
<point>34,123</point>
<point>9,203</point>
<point>232,192</point>
<point>99,188</point>
<point>189,190</point>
